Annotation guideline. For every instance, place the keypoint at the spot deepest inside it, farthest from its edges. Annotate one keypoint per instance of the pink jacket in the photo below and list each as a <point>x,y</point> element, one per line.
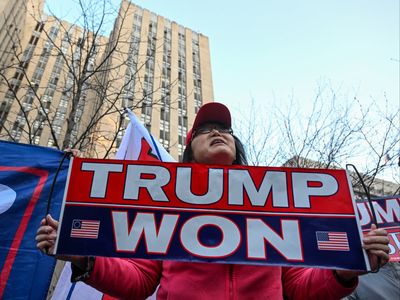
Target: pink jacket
<point>138,279</point>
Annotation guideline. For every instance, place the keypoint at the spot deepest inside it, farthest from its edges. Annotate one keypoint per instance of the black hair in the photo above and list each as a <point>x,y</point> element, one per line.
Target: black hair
<point>240,158</point>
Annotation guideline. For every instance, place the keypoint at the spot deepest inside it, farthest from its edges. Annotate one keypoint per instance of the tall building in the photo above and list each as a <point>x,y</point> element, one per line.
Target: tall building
<point>166,75</point>
<point>67,86</point>
<point>13,14</point>
<point>39,90</point>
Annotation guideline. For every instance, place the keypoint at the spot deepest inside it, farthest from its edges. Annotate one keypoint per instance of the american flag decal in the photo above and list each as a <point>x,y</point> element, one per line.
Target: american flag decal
<point>332,241</point>
<point>86,229</point>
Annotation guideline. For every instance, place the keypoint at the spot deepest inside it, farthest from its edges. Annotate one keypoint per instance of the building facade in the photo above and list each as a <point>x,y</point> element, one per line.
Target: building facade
<point>67,86</point>
<point>12,24</point>
<point>43,86</point>
<point>164,77</point>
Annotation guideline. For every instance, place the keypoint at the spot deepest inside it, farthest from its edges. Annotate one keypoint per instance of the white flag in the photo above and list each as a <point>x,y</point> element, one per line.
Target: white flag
<point>137,144</point>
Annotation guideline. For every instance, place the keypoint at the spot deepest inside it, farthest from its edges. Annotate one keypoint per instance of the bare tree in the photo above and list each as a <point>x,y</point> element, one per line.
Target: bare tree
<point>79,102</point>
<point>256,129</point>
<point>380,140</point>
<point>334,131</point>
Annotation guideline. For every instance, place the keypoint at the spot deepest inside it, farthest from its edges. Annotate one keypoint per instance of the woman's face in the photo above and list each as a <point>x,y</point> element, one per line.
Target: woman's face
<point>214,147</point>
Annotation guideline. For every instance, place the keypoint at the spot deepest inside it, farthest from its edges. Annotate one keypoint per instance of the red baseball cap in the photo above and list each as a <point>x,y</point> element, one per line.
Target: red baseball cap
<point>212,112</point>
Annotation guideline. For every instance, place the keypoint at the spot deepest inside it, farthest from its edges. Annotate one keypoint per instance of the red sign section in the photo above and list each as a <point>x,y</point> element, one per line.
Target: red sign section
<point>261,189</point>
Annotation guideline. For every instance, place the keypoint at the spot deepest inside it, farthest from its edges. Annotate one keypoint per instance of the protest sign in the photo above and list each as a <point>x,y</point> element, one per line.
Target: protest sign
<point>387,210</point>
<point>229,214</point>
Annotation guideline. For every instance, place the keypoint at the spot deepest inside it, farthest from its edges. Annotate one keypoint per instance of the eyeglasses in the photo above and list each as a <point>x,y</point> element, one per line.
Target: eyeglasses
<point>206,130</point>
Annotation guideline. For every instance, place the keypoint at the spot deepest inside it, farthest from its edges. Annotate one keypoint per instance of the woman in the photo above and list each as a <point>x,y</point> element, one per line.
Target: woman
<point>211,142</point>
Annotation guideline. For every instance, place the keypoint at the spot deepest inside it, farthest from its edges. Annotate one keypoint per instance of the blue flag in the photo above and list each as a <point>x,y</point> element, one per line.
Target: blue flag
<point>26,176</point>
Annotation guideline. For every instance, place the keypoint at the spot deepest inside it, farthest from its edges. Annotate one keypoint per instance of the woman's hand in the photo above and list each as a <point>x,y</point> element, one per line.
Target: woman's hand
<point>376,244</point>
<point>46,237</point>
<point>74,152</point>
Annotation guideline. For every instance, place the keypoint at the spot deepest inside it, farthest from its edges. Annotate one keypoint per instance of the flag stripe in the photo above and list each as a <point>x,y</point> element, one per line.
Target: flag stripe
<point>71,290</point>
<point>156,148</point>
<point>5,272</point>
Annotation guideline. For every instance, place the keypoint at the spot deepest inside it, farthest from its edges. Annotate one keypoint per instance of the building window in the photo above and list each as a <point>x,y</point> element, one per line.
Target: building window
<point>164,135</point>
<point>165,144</point>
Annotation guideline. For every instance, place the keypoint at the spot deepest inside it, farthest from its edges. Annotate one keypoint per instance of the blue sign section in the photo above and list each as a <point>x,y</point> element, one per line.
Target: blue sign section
<point>328,242</point>
<point>26,176</point>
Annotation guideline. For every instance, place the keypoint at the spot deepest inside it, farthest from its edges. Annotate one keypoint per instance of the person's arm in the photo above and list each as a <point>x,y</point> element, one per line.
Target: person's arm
<point>376,244</point>
<point>311,283</point>
<point>122,278</point>
<point>125,278</point>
